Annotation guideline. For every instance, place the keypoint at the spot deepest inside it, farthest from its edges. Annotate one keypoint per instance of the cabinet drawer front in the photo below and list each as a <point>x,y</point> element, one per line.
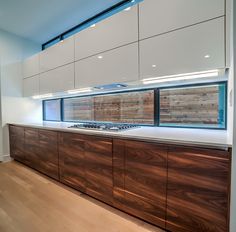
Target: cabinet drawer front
<point>160,16</point>
<point>184,51</point>
<point>198,190</point>
<point>110,33</point>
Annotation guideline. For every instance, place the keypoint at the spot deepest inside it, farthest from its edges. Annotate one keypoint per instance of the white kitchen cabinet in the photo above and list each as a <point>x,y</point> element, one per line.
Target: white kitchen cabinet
<point>31,66</point>
<point>116,66</point>
<point>31,86</point>
<point>197,48</point>
<point>160,16</point>
<point>57,80</point>
<point>117,30</point>
<point>57,55</point>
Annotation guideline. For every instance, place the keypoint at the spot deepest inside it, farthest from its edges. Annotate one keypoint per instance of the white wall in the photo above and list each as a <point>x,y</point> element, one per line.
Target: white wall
<point>13,107</point>
<point>233,173</point>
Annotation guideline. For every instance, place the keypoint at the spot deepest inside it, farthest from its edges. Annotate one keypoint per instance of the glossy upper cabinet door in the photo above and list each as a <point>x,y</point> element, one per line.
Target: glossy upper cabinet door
<point>31,86</point>
<point>57,55</point>
<point>184,50</point>
<point>159,16</point>
<point>57,80</point>
<point>31,66</point>
<point>115,31</point>
<point>118,65</point>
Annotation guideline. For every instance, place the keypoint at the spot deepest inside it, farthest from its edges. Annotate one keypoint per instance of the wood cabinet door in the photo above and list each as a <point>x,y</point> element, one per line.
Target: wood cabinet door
<point>48,153</point>
<point>140,179</point>
<point>198,190</point>
<point>98,168</point>
<point>71,160</point>
<point>17,150</point>
<point>32,147</point>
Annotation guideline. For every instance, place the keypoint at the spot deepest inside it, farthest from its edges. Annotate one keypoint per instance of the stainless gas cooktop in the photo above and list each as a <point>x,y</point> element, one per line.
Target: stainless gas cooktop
<point>104,126</point>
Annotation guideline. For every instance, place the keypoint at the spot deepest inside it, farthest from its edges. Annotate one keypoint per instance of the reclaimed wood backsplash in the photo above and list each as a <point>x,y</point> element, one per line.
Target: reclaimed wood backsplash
<point>198,105</point>
<point>131,107</point>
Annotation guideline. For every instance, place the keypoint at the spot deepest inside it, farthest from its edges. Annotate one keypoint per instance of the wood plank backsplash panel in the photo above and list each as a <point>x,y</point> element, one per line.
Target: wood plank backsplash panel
<point>196,105</point>
<point>79,109</point>
<point>131,107</point>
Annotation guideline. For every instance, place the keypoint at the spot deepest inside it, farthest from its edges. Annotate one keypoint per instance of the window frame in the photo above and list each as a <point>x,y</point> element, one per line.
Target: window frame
<point>156,105</point>
<point>225,83</point>
<point>110,93</point>
<point>44,113</point>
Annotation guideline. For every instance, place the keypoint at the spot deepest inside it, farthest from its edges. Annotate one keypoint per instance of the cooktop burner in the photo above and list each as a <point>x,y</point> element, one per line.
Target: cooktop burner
<point>104,126</point>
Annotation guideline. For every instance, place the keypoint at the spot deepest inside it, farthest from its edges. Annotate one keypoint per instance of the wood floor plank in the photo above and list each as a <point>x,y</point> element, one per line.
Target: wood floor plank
<point>30,202</point>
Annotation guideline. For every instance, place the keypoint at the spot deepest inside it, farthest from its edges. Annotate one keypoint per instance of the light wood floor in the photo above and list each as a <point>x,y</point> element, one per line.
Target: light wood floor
<point>31,202</point>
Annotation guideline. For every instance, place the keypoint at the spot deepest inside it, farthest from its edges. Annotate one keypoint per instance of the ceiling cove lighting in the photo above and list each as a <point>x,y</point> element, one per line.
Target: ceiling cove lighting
<point>83,90</point>
<point>43,96</point>
<point>180,77</point>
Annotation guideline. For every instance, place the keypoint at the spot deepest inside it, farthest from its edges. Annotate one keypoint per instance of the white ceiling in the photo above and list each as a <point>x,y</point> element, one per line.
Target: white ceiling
<point>41,20</point>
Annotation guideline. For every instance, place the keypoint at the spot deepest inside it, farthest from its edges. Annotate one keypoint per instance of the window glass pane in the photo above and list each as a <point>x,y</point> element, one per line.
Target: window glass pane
<point>202,106</point>
<point>78,109</point>
<point>49,44</point>
<point>131,107</point>
<point>52,110</point>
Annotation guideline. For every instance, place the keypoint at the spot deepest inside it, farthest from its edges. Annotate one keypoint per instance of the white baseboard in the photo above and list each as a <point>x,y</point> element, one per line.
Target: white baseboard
<point>6,158</point>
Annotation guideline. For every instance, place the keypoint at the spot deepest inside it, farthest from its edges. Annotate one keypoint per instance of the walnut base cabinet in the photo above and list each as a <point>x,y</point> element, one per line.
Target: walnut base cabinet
<point>98,168</point>
<point>71,160</point>
<point>86,164</point>
<point>178,188</point>
<point>140,179</point>
<point>48,153</point>
<point>35,148</point>
<point>17,143</point>
<point>198,190</point>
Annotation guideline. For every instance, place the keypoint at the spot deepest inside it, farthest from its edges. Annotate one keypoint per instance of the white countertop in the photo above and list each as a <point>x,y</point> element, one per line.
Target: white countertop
<point>198,137</point>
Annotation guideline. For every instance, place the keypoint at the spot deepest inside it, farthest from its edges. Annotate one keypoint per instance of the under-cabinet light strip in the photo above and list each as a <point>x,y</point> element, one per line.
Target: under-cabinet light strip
<point>83,90</point>
<point>186,76</point>
<point>43,96</point>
